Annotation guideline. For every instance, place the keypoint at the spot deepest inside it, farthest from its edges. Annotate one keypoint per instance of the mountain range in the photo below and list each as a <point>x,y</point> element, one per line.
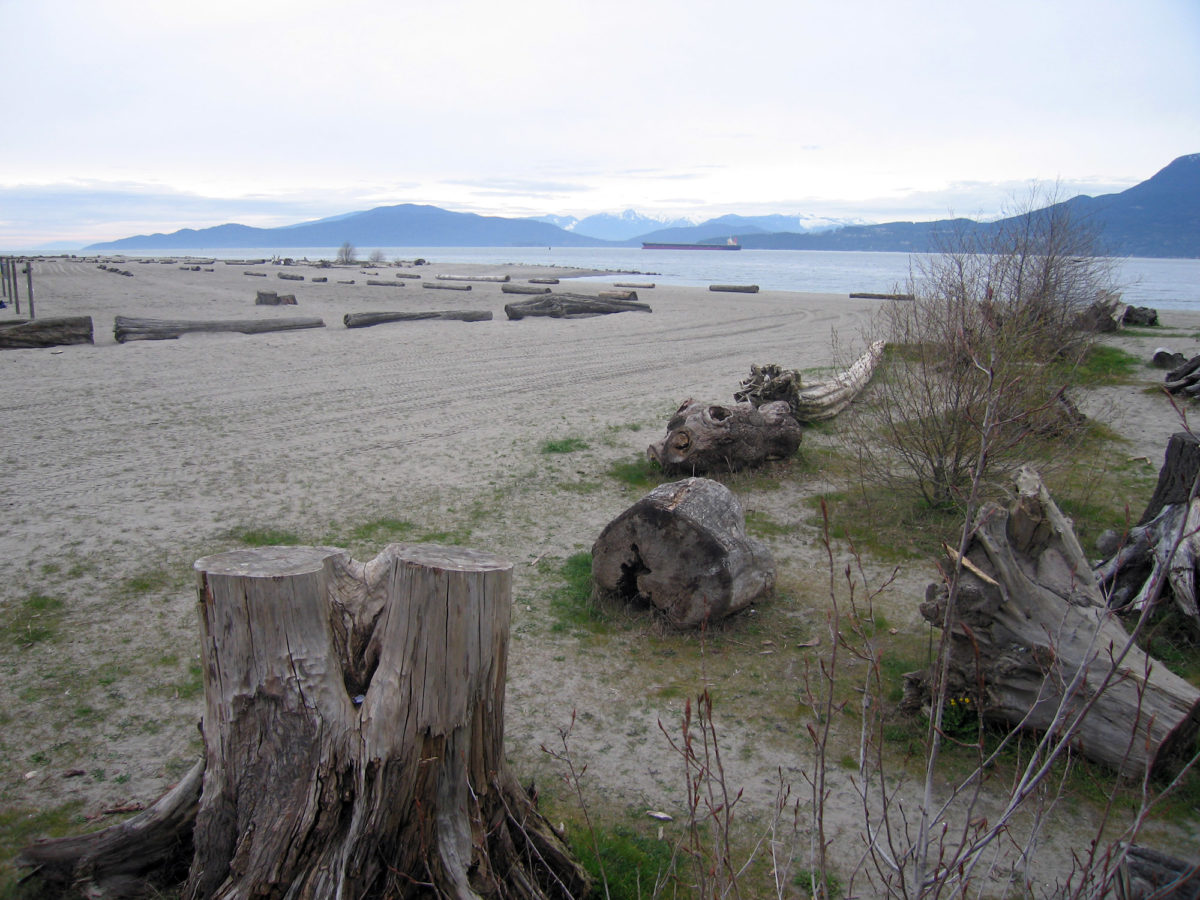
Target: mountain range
<point>1158,217</point>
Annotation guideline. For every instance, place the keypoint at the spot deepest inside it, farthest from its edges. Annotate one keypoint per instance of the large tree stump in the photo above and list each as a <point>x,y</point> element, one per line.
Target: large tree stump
<point>354,731</point>
<point>1147,563</point>
<point>684,549</point>
<point>1031,634</point>
<point>715,437</point>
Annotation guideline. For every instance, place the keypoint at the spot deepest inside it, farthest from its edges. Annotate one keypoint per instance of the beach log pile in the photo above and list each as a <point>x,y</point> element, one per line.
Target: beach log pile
<point>354,740</point>
<point>571,306</point>
<point>1184,378</point>
<point>1156,561</point>
<point>1034,645</point>
<point>683,549</point>
<point>22,334</point>
<point>367,319</point>
<point>716,437</point>
<point>126,328</point>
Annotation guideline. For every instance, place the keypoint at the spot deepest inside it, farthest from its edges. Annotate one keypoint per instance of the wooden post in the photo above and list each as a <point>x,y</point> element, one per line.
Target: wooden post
<point>29,286</point>
<point>3,276</point>
<point>16,294</point>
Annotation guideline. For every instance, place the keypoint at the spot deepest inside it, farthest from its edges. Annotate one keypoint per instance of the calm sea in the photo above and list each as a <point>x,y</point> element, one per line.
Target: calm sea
<point>1159,283</point>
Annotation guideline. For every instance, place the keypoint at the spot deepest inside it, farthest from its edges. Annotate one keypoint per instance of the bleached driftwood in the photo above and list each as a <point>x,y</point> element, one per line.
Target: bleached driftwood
<point>499,279</point>
<point>1033,644</point>
<point>52,332</point>
<point>814,402</point>
<point>570,306</point>
<point>365,320</point>
<point>133,329</point>
<point>523,289</point>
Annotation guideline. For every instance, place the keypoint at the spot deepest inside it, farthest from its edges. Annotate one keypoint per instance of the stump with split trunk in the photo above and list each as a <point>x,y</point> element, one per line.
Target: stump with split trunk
<point>353,731</point>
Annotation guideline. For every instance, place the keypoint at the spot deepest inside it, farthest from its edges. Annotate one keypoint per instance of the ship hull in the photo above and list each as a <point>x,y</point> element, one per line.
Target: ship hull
<point>648,246</point>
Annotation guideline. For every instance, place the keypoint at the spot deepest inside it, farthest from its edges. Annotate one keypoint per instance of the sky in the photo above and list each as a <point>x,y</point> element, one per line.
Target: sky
<point>129,117</point>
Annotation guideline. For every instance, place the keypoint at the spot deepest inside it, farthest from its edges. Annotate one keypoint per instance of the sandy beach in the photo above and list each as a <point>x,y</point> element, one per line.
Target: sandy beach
<point>123,463</point>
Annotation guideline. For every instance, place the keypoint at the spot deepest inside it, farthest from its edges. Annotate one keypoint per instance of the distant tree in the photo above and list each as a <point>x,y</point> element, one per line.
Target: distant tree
<point>376,258</point>
<point>347,254</point>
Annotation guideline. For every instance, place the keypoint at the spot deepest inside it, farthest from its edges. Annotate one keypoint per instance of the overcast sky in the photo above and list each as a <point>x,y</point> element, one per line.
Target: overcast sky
<point>125,117</point>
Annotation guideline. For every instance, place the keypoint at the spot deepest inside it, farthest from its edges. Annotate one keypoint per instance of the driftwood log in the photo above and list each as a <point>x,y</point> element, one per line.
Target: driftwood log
<point>683,549</point>
<point>735,288</point>
<point>367,319</point>
<point>289,276</point>
<point>1146,874</point>
<point>523,289</point>
<point>379,282</point>
<point>633,284</point>
<point>570,306</point>
<point>53,332</point>
<point>543,281</point>
<point>1032,642</point>
<point>1157,560</point>
<point>618,295</point>
<point>1184,378</point>
<point>445,287</point>
<point>132,329</point>
<point>716,437</point>
<point>354,732</point>
<point>495,279</point>
<point>814,402</point>
<point>271,298</point>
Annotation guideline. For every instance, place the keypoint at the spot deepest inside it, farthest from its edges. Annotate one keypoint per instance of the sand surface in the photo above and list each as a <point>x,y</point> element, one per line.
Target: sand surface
<point>122,463</point>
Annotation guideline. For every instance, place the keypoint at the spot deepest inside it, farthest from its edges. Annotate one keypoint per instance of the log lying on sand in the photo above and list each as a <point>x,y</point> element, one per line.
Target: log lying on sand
<point>288,276</point>
<point>1146,566</point>
<point>683,548</point>
<point>408,275</point>
<point>735,288</point>
<point>715,437</point>
<point>132,329</point>
<point>570,306</point>
<point>379,282</point>
<point>633,284</point>
<point>867,295</point>
<point>53,332</point>
<point>445,287</point>
<point>484,278</point>
<point>367,319</point>
<point>1184,378</point>
<point>256,274</point>
<point>271,298</point>
<point>523,289</point>
<point>1033,644</point>
<point>543,281</point>
<point>618,295</point>
<point>814,402</point>
<point>354,733</point>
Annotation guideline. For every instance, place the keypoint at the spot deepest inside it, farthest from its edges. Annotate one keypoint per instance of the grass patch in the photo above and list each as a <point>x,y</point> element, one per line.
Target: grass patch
<point>1105,364</point>
<point>265,537</point>
<point>571,603</point>
<point>761,525</point>
<point>383,531</point>
<point>640,472</point>
<point>633,862</point>
<point>19,827</point>
<point>35,620</point>
<point>565,445</point>
<point>147,582</point>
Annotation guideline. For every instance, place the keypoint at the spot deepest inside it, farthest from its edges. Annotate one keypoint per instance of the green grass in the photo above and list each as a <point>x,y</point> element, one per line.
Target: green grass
<point>383,531</point>
<point>571,604</point>
<point>265,537</point>
<point>632,862</point>
<point>146,582</point>
<point>761,525</point>
<point>35,620</point>
<point>565,445</point>
<point>1105,364</point>
<point>640,472</point>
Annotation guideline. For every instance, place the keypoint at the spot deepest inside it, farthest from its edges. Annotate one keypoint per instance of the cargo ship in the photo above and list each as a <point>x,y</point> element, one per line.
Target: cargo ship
<point>731,244</point>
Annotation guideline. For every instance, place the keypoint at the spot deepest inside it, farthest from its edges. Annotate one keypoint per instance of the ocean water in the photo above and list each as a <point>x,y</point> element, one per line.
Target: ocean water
<point>1158,283</point>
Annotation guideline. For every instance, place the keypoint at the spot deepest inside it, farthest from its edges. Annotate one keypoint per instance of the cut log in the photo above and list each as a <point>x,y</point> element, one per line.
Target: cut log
<point>288,276</point>
<point>52,332</point>
<point>735,288</point>
<point>570,306</point>
<point>523,289</point>
<point>354,731</point>
<point>483,278</point>
<point>618,295</point>
<point>867,295</point>
<point>683,548</point>
<point>379,282</point>
<point>543,281</point>
<point>367,319</point>
<point>715,437</point>
<point>408,275</point>
<point>634,284</point>
<point>1031,636</point>
<point>256,274</point>
<point>815,402</point>
<point>132,329</point>
<point>445,287</point>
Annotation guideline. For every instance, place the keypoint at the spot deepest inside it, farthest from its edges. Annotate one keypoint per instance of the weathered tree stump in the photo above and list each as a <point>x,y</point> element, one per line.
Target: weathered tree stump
<point>570,306</point>
<point>52,332</point>
<point>1031,635</point>
<point>272,298</point>
<point>354,731</point>
<point>365,320</point>
<point>1147,563</point>
<point>1140,315</point>
<point>683,548</point>
<point>133,329</point>
<point>712,437</point>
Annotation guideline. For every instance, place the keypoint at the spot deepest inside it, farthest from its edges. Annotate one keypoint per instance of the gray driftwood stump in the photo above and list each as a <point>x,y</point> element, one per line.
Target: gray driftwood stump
<point>683,548</point>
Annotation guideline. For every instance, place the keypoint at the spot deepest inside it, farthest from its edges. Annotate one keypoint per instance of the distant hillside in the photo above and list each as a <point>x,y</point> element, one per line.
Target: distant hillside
<point>1159,217</point>
<point>406,225</point>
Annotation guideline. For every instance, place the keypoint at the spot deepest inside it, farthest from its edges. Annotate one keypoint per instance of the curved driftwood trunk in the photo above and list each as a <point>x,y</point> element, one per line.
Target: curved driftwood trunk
<point>683,548</point>
<point>365,320</point>
<point>51,332</point>
<point>814,402</point>
<point>570,306</point>
<point>1031,636</point>
<point>130,329</point>
<point>715,437</point>
<point>354,731</point>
